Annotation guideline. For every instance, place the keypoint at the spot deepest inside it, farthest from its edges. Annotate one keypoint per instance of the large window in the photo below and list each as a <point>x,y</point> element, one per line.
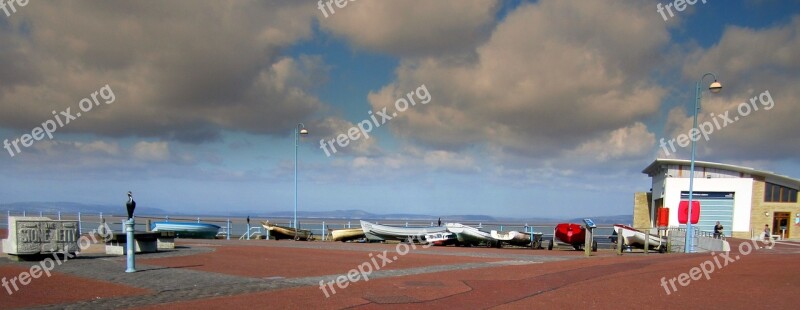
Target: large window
<point>777,193</point>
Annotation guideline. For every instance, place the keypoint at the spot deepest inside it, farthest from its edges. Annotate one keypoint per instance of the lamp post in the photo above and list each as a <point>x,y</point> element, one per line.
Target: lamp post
<point>715,87</point>
<point>300,129</point>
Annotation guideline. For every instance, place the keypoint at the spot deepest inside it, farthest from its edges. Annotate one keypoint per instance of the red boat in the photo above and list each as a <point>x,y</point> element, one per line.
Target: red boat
<point>571,234</point>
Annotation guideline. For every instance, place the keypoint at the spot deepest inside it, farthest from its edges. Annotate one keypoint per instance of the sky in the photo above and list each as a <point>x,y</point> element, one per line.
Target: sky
<point>501,108</point>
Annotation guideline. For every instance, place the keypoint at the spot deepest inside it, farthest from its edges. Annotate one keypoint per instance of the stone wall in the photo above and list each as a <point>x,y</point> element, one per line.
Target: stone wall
<point>759,208</point>
<point>641,210</point>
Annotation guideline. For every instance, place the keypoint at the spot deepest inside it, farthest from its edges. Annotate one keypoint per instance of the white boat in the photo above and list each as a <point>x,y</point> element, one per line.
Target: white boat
<point>441,238</point>
<point>518,238</point>
<point>633,237</point>
<point>377,232</point>
<point>468,235</point>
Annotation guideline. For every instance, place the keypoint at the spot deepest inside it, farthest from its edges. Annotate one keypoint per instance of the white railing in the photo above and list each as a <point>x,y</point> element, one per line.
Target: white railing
<point>254,232</point>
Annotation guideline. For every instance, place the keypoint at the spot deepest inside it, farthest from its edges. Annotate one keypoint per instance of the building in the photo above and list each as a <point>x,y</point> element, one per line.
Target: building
<point>742,199</point>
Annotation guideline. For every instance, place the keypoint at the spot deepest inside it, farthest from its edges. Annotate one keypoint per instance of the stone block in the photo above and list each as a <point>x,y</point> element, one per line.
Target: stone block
<point>40,235</point>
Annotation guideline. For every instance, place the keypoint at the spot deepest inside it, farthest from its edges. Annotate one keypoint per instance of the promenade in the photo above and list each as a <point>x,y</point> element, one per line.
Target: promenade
<point>286,275</point>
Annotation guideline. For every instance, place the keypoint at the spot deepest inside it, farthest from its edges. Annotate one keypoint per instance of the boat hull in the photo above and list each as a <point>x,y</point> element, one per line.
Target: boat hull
<point>638,239</point>
<point>377,232</point>
<point>518,238</point>
<point>283,232</point>
<point>570,233</point>
<point>441,239</point>
<point>469,236</point>
<point>187,230</point>
<point>347,234</point>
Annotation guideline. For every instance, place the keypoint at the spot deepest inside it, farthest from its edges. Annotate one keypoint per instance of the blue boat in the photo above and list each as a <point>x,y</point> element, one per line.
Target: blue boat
<point>187,230</point>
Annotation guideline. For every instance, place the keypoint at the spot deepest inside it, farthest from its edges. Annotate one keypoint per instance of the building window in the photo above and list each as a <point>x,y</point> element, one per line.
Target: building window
<point>777,193</point>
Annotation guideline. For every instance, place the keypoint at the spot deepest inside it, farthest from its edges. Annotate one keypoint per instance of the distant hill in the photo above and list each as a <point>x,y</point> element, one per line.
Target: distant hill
<point>364,215</point>
<point>73,207</point>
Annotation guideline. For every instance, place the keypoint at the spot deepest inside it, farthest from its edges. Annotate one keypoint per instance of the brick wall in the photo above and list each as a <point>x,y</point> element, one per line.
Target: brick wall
<point>641,210</point>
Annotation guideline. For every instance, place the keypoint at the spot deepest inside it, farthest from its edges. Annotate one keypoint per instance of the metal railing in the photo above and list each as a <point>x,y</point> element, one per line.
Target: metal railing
<point>237,226</point>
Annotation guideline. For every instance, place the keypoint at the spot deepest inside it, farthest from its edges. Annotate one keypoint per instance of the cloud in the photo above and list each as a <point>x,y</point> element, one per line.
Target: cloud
<point>151,151</point>
<point>329,128</point>
<point>412,28</point>
<point>630,142</point>
<point>748,62</point>
<point>541,86</point>
<point>450,161</point>
<point>182,70</point>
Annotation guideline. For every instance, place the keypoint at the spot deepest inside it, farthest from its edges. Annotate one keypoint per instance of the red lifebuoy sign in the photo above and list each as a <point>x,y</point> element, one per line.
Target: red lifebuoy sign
<point>683,211</point>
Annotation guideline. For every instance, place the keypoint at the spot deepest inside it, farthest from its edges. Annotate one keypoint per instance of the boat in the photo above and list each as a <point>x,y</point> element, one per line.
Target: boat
<point>441,239</point>
<point>571,234</point>
<point>283,232</point>
<point>377,232</point>
<point>347,234</point>
<point>187,230</point>
<point>636,238</point>
<point>469,236</point>
<point>518,238</point>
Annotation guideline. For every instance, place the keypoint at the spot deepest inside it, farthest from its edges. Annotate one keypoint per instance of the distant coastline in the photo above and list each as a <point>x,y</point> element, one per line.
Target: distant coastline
<point>73,207</point>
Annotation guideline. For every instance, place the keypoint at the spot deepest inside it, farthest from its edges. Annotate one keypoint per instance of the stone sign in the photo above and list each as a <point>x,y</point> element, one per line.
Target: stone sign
<point>40,235</point>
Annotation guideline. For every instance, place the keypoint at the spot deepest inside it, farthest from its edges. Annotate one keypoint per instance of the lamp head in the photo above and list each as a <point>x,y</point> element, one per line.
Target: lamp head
<point>715,87</point>
<point>303,131</point>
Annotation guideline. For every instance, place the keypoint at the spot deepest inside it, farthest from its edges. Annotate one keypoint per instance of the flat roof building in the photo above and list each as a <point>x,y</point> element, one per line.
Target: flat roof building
<point>742,199</point>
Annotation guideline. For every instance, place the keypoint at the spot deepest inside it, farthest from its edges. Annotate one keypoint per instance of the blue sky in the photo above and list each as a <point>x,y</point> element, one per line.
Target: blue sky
<point>537,108</point>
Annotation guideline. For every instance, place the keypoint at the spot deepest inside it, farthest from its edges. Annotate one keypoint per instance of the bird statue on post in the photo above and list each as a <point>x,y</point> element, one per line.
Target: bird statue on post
<point>131,205</point>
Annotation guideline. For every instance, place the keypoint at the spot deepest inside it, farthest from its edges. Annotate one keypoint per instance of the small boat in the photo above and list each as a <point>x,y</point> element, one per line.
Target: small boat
<point>518,238</point>
<point>441,239</point>
<point>377,232</point>
<point>469,236</point>
<point>283,232</point>
<point>187,230</point>
<point>347,234</point>
<point>571,234</point>
<point>633,237</point>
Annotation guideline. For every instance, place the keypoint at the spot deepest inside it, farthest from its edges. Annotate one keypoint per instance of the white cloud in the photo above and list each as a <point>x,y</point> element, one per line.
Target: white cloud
<point>541,85</point>
<point>633,141</point>
<point>748,62</point>
<point>151,151</point>
<point>180,70</point>
<point>450,161</point>
<point>415,27</point>
<point>110,148</point>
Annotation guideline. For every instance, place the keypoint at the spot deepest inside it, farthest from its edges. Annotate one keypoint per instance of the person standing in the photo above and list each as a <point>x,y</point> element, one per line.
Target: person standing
<point>766,232</point>
<point>440,222</point>
<point>718,231</point>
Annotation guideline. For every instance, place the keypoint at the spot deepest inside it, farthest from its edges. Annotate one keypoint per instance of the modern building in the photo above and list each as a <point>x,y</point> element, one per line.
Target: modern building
<point>742,199</point>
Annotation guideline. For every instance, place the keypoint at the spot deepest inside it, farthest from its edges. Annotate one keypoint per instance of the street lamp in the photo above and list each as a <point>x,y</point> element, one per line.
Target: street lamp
<point>715,87</point>
<point>300,129</point>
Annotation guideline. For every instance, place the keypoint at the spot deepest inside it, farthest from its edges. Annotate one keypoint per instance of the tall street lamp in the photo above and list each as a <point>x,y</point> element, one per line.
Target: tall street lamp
<point>300,129</point>
<point>715,87</point>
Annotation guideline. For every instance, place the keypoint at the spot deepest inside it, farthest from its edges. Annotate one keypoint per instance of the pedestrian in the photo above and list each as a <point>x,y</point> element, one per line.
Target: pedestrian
<point>718,231</point>
<point>440,222</point>
<point>766,232</point>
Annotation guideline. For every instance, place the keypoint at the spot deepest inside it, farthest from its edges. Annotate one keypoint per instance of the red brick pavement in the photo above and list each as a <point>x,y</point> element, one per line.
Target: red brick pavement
<point>633,281</point>
<point>56,289</point>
